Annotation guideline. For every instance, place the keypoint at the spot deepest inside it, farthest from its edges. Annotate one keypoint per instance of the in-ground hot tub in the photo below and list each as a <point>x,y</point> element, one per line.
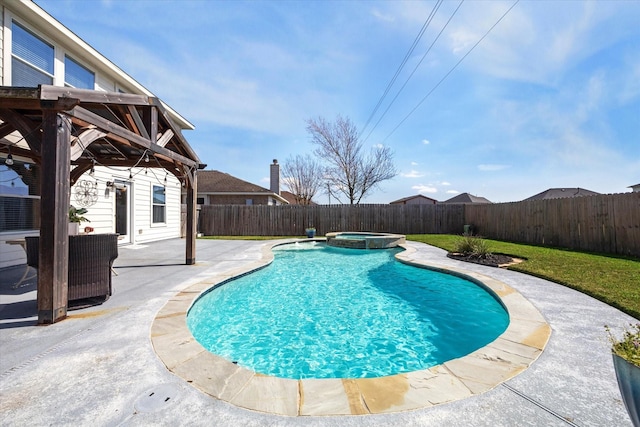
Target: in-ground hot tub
<point>357,240</point>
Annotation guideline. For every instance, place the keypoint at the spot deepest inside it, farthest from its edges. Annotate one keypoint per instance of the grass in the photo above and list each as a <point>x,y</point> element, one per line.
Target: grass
<point>610,279</point>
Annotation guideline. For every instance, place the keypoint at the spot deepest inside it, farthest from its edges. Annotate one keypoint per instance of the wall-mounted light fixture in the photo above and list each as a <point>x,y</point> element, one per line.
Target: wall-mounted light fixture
<point>116,186</point>
<point>9,160</point>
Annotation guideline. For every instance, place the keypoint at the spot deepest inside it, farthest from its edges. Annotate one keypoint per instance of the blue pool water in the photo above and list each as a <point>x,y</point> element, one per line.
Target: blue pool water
<point>325,312</point>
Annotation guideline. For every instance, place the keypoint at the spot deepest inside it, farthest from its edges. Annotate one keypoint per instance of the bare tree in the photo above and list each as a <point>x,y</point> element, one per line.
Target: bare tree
<point>350,172</point>
<point>302,176</point>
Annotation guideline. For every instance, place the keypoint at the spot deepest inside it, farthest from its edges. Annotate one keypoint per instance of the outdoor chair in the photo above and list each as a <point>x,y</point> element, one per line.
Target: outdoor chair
<point>90,259</point>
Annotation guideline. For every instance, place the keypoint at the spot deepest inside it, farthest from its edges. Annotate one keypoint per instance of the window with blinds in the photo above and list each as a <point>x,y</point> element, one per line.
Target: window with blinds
<point>19,200</point>
<point>77,76</point>
<point>32,59</point>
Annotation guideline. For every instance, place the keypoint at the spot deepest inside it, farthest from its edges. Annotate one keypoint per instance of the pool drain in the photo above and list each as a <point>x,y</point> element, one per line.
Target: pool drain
<point>157,398</point>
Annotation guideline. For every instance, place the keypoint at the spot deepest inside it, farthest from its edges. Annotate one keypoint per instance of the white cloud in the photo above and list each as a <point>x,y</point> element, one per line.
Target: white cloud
<point>453,192</point>
<point>425,141</point>
<point>412,174</point>
<point>424,189</point>
<point>381,16</point>
<point>414,163</point>
<point>445,183</point>
<point>492,167</point>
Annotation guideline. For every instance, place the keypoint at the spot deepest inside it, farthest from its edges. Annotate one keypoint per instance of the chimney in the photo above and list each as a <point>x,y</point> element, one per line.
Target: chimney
<point>275,177</point>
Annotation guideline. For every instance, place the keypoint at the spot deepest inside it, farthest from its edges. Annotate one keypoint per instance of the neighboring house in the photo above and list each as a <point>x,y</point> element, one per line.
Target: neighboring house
<point>291,198</point>
<point>562,193</point>
<point>635,188</point>
<point>466,198</point>
<point>219,188</point>
<point>418,199</point>
<point>140,204</point>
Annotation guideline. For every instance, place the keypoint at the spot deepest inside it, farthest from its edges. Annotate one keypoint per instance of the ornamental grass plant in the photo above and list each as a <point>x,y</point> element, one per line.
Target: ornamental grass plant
<point>629,346</point>
<point>474,246</point>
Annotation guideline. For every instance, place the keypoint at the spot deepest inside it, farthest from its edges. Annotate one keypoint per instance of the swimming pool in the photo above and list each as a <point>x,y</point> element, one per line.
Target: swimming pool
<point>325,312</point>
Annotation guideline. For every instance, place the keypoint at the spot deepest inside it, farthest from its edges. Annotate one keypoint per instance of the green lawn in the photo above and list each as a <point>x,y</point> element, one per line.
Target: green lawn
<point>610,279</point>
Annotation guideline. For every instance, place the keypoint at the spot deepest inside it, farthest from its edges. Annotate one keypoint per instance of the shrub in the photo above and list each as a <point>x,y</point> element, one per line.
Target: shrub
<point>473,246</point>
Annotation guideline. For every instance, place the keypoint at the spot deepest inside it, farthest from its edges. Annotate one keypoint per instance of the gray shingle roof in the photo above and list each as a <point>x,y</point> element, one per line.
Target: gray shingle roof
<point>467,198</point>
<point>212,181</point>
<point>417,196</point>
<point>562,193</point>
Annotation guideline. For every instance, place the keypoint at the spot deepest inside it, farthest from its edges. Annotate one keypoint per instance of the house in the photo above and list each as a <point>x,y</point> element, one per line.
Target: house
<point>466,198</point>
<point>127,175</point>
<point>418,199</point>
<point>291,198</point>
<point>219,188</point>
<point>635,188</point>
<point>562,193</point>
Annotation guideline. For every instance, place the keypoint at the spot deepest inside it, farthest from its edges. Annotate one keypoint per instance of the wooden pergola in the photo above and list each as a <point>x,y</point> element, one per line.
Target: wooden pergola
<point>65,128</point>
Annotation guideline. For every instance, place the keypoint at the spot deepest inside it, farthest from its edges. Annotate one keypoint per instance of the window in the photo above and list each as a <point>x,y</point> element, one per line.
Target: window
<point>19,201</point>
<point>31,58</point>
<point>159,204</point>
<point>75,75</point>
<point>200,201</point>
<point>249,202</point>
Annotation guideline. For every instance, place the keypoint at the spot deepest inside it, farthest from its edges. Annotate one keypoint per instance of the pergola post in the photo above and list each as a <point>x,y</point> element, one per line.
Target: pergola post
<point>191,225</point>
<point>53,262</point>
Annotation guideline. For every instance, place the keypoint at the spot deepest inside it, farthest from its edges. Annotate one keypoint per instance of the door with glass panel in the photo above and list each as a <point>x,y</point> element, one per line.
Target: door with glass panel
<point>123,211</point>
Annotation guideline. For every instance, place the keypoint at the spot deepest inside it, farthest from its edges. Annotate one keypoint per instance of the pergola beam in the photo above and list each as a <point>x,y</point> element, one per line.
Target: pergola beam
<point>53,262</point>
<point>127,135</point>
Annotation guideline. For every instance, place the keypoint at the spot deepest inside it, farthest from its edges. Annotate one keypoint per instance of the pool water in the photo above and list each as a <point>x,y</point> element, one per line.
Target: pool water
<point>326,312</point>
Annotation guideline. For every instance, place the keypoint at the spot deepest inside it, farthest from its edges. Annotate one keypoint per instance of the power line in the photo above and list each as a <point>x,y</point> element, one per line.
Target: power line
<point>404,61</point>
<point>451,70</point>
<point>416,68</point>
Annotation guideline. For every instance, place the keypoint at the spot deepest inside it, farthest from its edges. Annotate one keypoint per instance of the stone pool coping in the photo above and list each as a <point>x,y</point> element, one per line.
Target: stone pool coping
<point>510,354</point>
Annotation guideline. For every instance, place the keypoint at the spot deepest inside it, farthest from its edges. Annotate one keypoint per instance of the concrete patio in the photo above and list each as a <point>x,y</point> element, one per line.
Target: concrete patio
<point>99,366</point>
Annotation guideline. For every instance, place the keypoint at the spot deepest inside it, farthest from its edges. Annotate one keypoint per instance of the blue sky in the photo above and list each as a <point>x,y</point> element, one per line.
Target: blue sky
<point>549,98</point>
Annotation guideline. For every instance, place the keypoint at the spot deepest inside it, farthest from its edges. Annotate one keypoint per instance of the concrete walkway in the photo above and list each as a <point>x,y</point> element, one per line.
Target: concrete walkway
<point>98,367</point>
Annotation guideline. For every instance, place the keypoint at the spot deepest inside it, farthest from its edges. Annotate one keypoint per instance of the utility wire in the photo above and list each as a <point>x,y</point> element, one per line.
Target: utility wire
<point>415,68</point>
<point>451,70</point>
<point>404,62</point>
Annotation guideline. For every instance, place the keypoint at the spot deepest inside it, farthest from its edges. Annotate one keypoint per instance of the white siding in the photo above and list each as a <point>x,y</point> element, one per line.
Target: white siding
<point>102,214</point>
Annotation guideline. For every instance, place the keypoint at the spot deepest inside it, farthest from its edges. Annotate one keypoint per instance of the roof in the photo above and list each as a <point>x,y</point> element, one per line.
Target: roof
<point>417,196</point>
<point>562,193</point>
<point>289,197</point>
<point>467,198</point>
<point>216,182</point>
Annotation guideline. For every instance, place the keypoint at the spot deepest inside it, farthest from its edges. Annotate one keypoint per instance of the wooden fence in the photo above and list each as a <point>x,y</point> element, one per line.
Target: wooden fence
<point>608,223</point>
<point>291,220</point>
<point>603,223</point>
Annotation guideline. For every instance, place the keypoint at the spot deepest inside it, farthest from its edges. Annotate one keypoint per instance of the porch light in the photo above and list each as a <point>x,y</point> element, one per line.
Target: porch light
<point>9,160</point>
